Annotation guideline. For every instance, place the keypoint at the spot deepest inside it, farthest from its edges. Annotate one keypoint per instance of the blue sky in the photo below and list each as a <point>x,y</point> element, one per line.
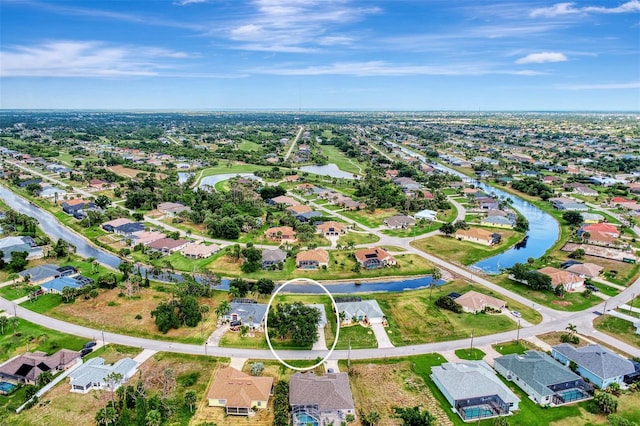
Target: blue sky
<point>320,54</point>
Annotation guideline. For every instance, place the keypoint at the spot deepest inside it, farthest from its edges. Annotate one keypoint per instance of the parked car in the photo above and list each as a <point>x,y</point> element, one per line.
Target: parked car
<point>591,287</point>
<point>516,314</point>
<point>85,352</point>
<point>89,344</point>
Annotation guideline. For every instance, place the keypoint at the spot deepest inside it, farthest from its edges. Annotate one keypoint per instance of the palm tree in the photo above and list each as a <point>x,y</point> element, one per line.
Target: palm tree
<point>3,323</point>
<point>190,398</point>
<point>113,379</point>
<point>14,322</point>
<point>572,329</point>
<point>223,308</point>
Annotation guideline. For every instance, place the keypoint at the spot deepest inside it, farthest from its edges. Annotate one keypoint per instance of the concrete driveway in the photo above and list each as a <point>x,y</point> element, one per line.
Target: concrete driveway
<point>214,339</point>
<point>381,336</point>
<point>321,343</point>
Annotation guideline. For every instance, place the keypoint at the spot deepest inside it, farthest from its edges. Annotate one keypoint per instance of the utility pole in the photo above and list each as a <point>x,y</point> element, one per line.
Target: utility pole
<point>518,335</point>
<point>604,311</point>
<point>471,347</point>
<point>633,296</point>
<point>205,347</point>
<point>103,343</point>
<point>349,355</point>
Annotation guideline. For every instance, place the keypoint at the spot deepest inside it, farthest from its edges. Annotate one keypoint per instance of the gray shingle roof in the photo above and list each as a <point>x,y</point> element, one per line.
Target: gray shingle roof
<point>368,308</point>
<point>330,392</point>
<point>599,360</point>
<point>538,370</point>
<point>472,379</point>
<point>38,273</point>
<point>245,310</point>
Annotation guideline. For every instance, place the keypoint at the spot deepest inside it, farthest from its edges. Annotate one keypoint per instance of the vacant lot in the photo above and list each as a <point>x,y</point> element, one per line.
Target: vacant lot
<point>618,328</point>
<point>370,219</point>
<point>118,314</point>
<point>414,318</point>
<point>379,386</point>
<point>131,173</point>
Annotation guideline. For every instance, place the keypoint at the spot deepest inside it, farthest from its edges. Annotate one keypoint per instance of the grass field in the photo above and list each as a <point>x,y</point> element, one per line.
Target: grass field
<point>435,324</point>
<point>571,301</point>
<point>370,219</point>
<point>118,315</point>
<point>359,337</point>
<point>618,328</point>
<point>246,145</point>
<point>112,353</point>
<point>413,231</point>
<point>341,160</point>
<point>357,238</point>
<point>465,252</point>
<point>512,347</point>
<point>473,354</point>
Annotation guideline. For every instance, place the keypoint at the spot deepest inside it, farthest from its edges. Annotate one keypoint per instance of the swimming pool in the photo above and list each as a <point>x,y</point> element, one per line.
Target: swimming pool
<point>6,387</point>
<point>477,412</point>
<point>306,420</point>
<point>572,395</point>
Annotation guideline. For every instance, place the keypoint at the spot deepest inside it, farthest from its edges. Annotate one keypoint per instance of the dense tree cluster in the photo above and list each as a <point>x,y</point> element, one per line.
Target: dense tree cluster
<point>533,186</point>
<point>295,321</point>
<point>446,302</point>
<point>281,404</point>
<point>533,279</point>
<point>177,312</point>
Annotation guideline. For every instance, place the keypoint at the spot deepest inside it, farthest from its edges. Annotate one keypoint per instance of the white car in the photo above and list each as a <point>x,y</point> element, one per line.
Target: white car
<point>516,314</point>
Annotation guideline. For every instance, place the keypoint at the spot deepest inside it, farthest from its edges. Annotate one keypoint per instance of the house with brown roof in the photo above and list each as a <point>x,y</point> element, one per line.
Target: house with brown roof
<point>199,251</point>
<point>325,399</point>
<point>299,209</point>
<point>239,393</point>
<point>475,302</point>
<point>26,368</point>
<point>600,239</point>
<point>282,199</point>
<point>112,224</point>
<point>99,184</point>
<point>590,270</point>
<point>331,228</point>
<point>312,259</point>
<point>281,233</point>
<point>569,280</point>
<point>172,209</point>
<point>168,245</point>
<point>399,221</point>
<point>605,228</point>
<point>374,258</point>
<point>478,235</point>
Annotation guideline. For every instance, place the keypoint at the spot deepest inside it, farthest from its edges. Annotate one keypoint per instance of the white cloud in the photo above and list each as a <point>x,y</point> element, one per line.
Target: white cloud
<point>382,68</point>
<point>603,86</point>
<point>296,25</point>
<point>569,8</point>
<point>542,57</point>
<point>188,2</point>
<point>85,59</point>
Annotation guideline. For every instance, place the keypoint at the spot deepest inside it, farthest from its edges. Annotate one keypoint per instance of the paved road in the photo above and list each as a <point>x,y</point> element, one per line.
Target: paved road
<point>294,143</point>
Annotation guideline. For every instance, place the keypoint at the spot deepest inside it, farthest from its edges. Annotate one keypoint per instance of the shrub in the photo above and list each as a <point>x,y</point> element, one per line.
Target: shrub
<point>188,379</point>
<point>445,302</point>
<point>138,317</point>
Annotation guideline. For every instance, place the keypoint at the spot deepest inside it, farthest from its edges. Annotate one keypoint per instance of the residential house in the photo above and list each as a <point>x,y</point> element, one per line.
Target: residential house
<point>249,314</point>
<point>281,233</point>
<point>331,228</point>
<point>9,245</point>
<point>199,251</point>
<point>324,399</point>
<point>475,302</point>
<point>283,199</point>
<point>592,218</point>
<point>545,380</point>
<point>594,362</point>
<point>399,222</point>
<point>582,189</point>
<point>111,225</point>
<point>100,185</point>
<point>367,311</point>
<point>26,368</point>
<point>129,229</point>
<point>374,258</point>
<point>312,259</point>
<point>585,270</point>
<point>52,192</point>
<point>488,203</point>
<point>272,258</point>
<point>57,285</point>
<point>505,222</point>
<point>605,228</point>
<point>429,215</point>
<point>478,235</point>
<point>76,207</point>
<point>144,237</point>
<point>299,209</point>
<point>172,209</point>
<point>239,393</point>
<point>307,216</point>
<point>569,280</point>
<point>39,274</point>
<point>567,204</point>
<point>168,245</point>
<point>473,390</point>
<point>599,238</point>
<point>94,374</point>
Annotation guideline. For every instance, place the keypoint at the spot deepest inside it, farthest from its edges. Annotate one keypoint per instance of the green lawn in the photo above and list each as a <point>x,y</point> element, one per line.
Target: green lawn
<point>413,231</point>
<point>618,328</point>
<point>43,303</point>
<point>465,252</point>
<point>371,220</point>
<point>32,337</point>
<point>359,337</point>
<point>605,289</point>
<point>112,352</point>
<point>341,160</point>
<point>512,347</point>
<point>246,145</point>
<point>571,302</point>
<point>357,238</point>
<point>12,293</point>
<point>470,354</point>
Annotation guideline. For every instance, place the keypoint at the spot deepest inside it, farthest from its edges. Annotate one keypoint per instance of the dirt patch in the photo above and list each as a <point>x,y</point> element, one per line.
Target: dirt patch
<point>562,302</point>
<point>379,388</point>
<point>131,173</point>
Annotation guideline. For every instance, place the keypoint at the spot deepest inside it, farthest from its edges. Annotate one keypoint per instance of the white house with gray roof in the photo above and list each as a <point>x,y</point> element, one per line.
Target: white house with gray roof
<point>594,362</point>
<point>365,309</point>
<point>473,390</point>
<point>93,374</point>
<point>320,400</point>
<point>545,380</point>
<point>250,314</point>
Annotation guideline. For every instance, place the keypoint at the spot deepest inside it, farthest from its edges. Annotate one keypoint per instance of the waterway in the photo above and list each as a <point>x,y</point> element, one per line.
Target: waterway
<point>212,180</point>
<point>50,225</point>
<point>331,170</point>
<point>543,228</point>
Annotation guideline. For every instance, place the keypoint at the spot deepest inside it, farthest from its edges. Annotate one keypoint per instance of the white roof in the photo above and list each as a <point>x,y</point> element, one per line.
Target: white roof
<point>368,308</point>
